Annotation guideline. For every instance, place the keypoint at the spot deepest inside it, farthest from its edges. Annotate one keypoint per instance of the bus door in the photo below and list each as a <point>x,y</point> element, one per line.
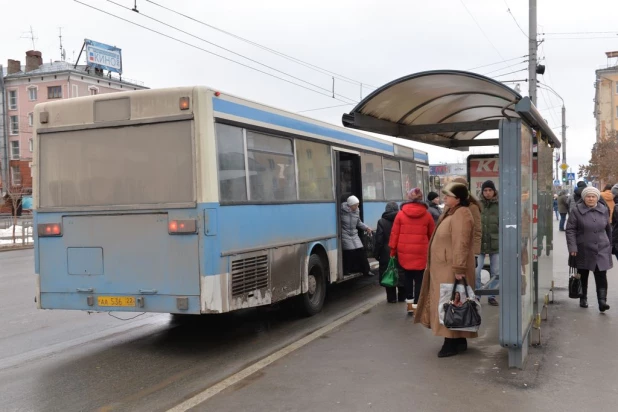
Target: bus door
<point>347,183</point>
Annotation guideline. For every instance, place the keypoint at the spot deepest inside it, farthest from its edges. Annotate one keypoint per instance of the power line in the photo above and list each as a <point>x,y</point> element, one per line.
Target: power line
<point>208,51</point>
<point>503,68</point>
<point>508,9</point>
<point>324,108</point>
<point>500,62</point>
<point>481,29</point>
<point>505,74</point>
<point>227,50</point>
<point>280,54</point>
<point>583,38</point>
<point>578,33</point>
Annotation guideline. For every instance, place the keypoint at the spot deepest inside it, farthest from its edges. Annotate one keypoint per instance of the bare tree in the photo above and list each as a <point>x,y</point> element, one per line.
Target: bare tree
<point>14,198</point>
<point>602,165</point>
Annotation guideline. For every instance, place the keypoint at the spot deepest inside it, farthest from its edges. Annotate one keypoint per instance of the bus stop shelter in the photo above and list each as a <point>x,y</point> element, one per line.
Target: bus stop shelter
<point>451,109</point>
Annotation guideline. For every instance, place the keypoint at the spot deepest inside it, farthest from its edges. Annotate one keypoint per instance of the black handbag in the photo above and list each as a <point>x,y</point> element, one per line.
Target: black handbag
<point>575,283</point>
<point>460,314</point>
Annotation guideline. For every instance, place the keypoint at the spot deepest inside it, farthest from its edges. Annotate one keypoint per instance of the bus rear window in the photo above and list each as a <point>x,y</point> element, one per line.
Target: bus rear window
<point>134,165</point>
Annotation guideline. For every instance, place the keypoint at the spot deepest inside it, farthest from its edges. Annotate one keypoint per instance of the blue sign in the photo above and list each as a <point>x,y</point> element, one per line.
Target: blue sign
<point>103,56</point>
<point>556,182</point>
<point>570,176</point>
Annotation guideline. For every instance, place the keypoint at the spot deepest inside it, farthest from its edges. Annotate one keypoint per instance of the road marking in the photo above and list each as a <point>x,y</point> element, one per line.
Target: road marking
<point>250,370</point>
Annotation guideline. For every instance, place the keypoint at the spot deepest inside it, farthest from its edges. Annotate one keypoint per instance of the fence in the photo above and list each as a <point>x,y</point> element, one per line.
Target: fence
<point>23,231</point>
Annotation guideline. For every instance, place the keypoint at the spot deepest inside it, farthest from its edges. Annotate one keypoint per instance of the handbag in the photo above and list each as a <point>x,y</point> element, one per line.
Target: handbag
<point>575,283</point>
<point>462,315</point>
<point>390,279</point>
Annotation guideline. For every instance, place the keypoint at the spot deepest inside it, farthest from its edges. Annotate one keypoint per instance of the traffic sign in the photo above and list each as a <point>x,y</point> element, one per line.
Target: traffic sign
<point>564,166</point>
<point>556,182</point>
<point>570,176</point>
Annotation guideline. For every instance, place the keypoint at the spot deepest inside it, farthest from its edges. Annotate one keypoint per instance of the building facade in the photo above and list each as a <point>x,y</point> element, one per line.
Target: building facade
<point>606,98</point>
<point>23,87</point>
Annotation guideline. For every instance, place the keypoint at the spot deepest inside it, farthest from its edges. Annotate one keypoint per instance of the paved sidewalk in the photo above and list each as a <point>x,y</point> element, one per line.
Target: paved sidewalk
<point>380,361</point>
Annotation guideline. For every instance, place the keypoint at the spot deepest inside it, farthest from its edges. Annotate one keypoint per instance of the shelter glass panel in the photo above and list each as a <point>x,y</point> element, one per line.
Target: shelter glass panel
<point>527,231</point>
<point>544,267</point>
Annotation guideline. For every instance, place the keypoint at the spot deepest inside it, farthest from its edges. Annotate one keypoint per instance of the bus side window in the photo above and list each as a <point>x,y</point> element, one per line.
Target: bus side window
<point>231,158</point>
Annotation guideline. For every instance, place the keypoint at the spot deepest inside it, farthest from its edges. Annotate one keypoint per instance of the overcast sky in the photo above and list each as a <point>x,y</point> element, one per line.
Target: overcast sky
<point>373,42</point>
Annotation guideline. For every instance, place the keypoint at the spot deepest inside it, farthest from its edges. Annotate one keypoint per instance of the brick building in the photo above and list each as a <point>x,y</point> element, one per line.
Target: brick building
<point>22,87</point>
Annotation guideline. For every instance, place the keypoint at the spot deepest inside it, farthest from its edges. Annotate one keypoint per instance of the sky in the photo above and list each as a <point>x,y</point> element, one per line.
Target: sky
<point>362,41</point>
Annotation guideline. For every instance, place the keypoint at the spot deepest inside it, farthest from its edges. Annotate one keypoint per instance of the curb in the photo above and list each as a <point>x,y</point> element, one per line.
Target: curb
<point>13,248</point>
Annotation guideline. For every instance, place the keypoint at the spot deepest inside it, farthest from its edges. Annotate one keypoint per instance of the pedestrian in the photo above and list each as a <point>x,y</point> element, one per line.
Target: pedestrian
<point>382,251</point>
<point>475,209</point>
<point>556,206</point>
<point>563,209</point>
<point>577,195</point>
<point>589,237</point>
<point>608,197</point>
<point>354,256</point>
<point>451,257</point>
<point>433,201</point>
<point>412,230</point>
<point>490,240</point>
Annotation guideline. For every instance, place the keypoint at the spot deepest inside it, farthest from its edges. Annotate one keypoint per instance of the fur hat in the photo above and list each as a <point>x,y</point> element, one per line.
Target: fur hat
<point>353,200</point>
<point>458,190</point>
<point>432,195</point>
<point>460,180</point>
<point>488,184</point>
<point>591,190</point>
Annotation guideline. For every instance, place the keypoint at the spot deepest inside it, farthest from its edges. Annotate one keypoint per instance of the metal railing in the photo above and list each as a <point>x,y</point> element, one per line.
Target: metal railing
<point>24,232</point>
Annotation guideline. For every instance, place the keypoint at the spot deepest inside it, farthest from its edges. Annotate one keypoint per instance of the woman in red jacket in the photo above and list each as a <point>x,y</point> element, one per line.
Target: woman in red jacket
<point>409,241</point>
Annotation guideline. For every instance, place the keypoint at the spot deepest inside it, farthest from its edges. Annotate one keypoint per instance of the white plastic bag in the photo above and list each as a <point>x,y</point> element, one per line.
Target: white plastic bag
<point>446,290</point>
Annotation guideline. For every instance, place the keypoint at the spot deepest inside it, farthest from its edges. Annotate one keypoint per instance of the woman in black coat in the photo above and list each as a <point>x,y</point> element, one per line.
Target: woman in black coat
<point>382,252</point>
<point>589,240</point>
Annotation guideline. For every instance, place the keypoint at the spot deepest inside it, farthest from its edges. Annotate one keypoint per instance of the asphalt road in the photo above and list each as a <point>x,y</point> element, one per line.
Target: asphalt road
<point>75,361</point>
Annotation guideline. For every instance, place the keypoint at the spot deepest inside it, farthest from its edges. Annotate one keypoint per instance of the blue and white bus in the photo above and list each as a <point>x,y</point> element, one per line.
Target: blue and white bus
<point>191,201</point>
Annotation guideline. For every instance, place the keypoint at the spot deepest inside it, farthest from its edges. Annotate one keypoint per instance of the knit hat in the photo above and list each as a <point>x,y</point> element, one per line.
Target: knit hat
<point>392,207</point>
<point>415,194</point>
<point>581,183</point>
<point>591,190</point>
<point>432,195</point>
<point>353,200</point>
<point>489,184</point>
<point>458,190</point>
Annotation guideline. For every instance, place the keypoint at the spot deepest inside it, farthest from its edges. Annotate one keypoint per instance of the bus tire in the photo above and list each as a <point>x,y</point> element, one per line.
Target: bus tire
<point>312,301</point>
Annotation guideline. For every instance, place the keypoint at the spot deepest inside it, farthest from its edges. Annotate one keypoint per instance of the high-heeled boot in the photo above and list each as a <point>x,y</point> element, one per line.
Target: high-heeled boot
<point>602,296</point>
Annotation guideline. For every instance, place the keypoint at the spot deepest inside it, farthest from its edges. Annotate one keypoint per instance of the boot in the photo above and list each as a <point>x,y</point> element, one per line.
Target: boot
<point>583,302</point>
<point>602,296</point>
<point>410,306</point>
<point>449,348</point>
<point>462,344</point>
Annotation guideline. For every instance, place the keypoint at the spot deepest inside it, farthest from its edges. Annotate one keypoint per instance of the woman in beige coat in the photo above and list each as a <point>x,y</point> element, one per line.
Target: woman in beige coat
<point>451,256</point>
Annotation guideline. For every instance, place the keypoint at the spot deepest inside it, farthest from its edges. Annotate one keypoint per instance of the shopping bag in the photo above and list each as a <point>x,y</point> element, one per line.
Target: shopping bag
<point>458,308</point>
<point>390,279</point>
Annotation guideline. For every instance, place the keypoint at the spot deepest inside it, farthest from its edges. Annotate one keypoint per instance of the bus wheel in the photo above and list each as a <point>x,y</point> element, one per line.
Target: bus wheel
<point>313,300</point>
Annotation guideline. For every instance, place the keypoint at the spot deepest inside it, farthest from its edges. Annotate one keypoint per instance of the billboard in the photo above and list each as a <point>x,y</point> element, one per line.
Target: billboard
<point>480,169</point>
<point>103,56</point>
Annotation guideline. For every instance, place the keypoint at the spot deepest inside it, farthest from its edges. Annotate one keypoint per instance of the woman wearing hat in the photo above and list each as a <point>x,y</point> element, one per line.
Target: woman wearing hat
<point>450,257</point>
<point>354,257</point>
<point>589,235</point>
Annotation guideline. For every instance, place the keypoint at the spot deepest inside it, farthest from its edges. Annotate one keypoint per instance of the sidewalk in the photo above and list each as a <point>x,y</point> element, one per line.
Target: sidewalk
<point>380,361</point>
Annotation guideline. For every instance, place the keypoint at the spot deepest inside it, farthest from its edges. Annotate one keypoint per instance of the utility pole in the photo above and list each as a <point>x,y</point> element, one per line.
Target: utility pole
<point>564,135</point>
<point>532,45</point>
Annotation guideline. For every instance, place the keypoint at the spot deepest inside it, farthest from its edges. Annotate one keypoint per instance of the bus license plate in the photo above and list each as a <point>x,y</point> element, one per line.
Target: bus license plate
<point>116,301</point>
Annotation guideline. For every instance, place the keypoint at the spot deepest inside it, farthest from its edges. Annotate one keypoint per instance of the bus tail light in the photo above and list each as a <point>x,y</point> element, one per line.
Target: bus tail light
<point>49,229</point>
<point>184,103</point>
<point>182,227</point>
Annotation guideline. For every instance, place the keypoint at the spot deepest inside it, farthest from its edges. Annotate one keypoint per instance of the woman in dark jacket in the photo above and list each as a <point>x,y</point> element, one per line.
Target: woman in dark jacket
<point>589,235</point>
<point>382,252</point>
